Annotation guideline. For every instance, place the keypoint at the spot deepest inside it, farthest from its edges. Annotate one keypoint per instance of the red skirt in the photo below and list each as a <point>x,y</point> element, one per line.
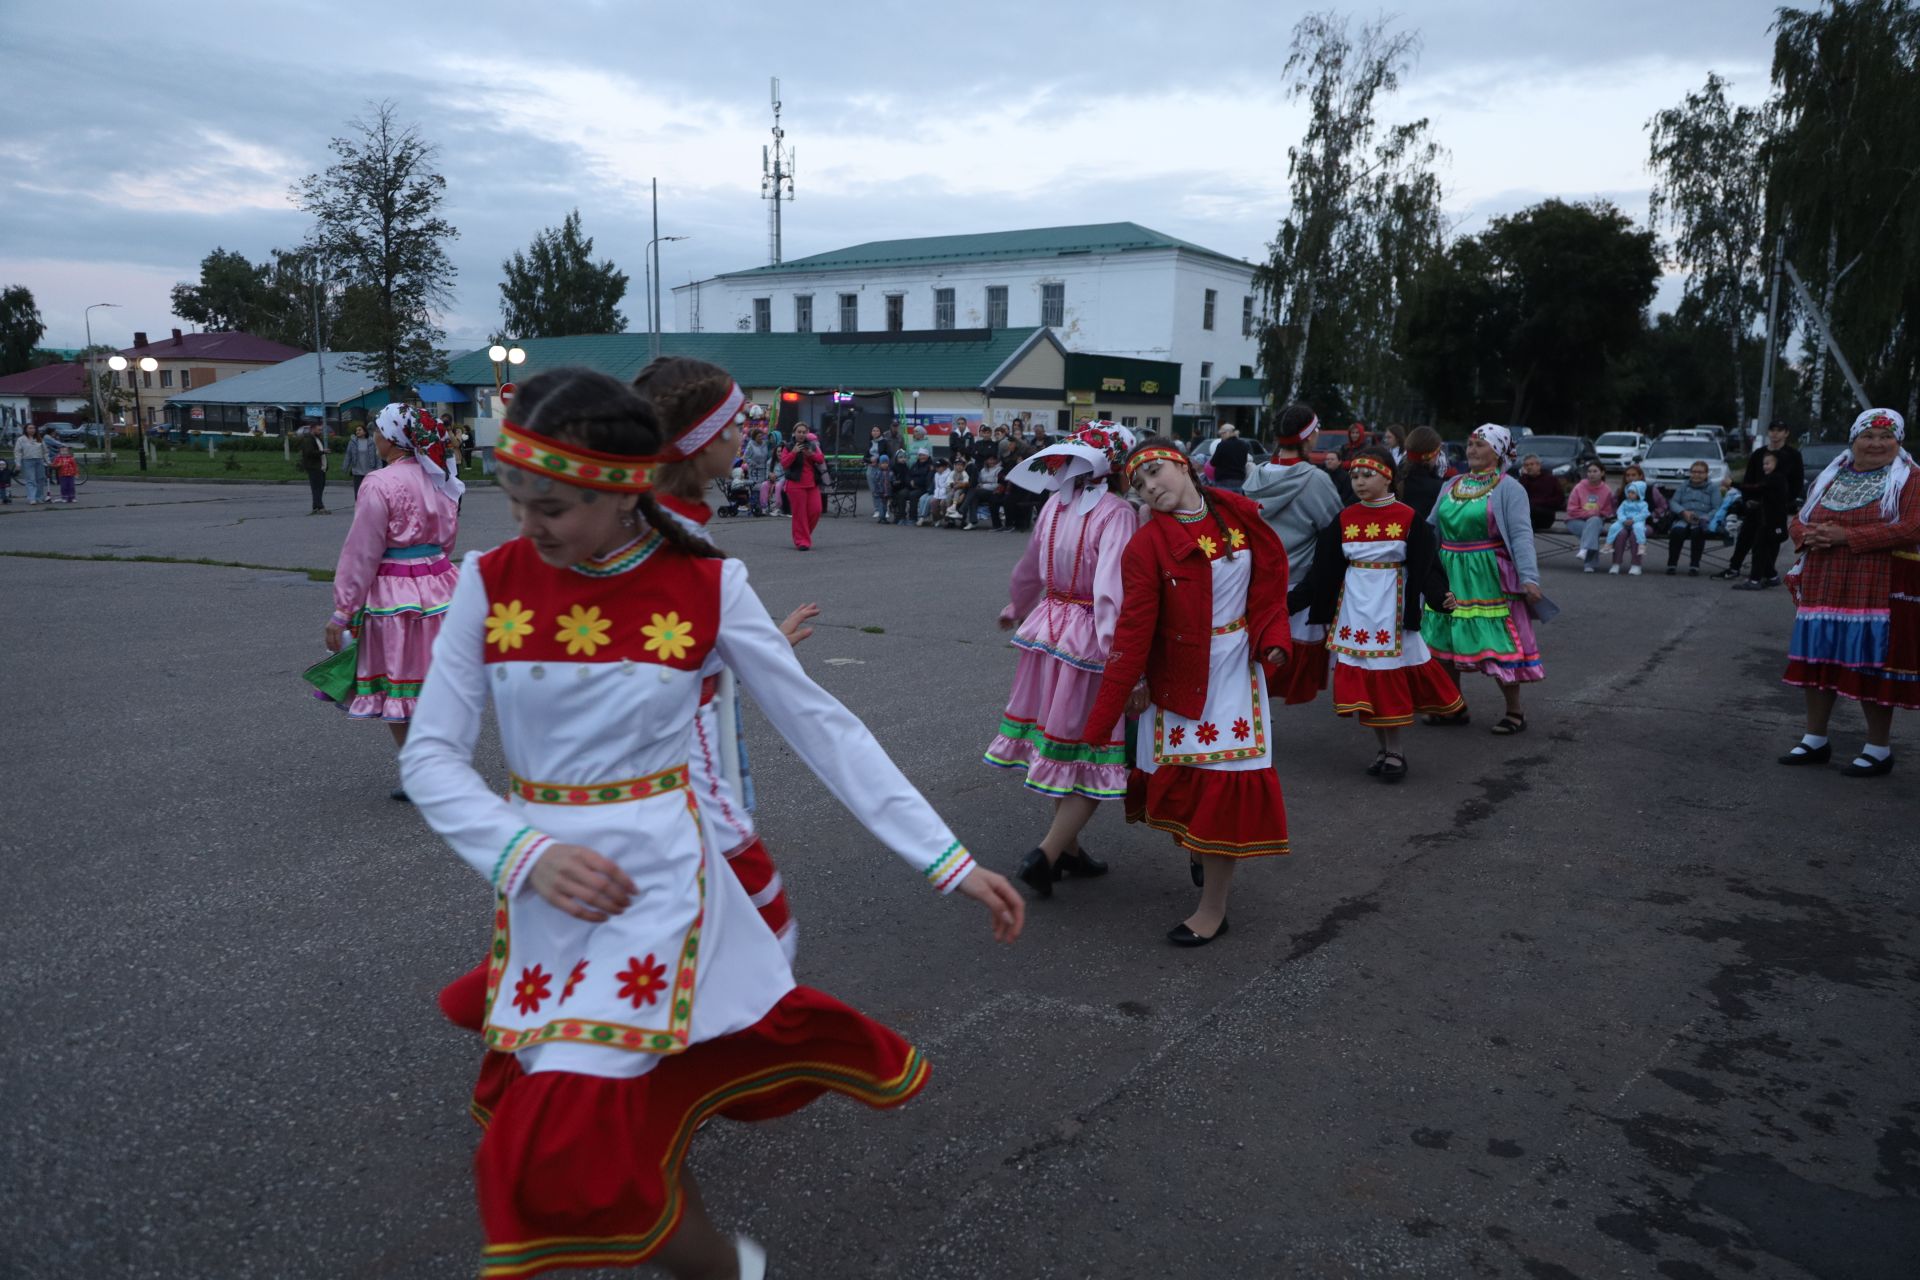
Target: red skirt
<point>584,1171</point>
<point>1303,676</point>
<point>1225,813</point>
<point>1385,699</point>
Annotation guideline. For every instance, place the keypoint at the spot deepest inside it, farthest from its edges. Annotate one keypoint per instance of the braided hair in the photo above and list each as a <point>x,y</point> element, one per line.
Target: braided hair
<point>595,411</point>
<point>680,389</point>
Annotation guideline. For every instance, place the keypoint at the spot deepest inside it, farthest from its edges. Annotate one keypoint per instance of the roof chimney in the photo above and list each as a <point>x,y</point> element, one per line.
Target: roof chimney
<point>139,338</point>
<point>176,337</point>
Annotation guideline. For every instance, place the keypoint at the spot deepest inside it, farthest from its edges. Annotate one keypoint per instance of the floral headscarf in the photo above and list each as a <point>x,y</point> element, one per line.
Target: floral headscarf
<point>1497,438</point>
<point>1897,475</point>
<point>424,439</point>
<point>1079,462</point>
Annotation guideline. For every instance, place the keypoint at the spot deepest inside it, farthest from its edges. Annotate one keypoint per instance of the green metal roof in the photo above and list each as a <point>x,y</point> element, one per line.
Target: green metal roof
<point>966,362</point>
<point>1240,391</point>
<point>1040,242</point>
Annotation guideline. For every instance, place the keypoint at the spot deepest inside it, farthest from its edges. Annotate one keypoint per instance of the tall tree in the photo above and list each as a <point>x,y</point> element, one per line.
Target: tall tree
<point>1363,220</point>
<point>228,297</point>
<point>379,229</point>
<point>20,328</point>
<point>1710,181</point>
<point>1847,181</point>
<point>555,288</point>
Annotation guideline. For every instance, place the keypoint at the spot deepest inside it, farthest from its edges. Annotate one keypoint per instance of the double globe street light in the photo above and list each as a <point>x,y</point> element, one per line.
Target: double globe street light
<point>147,364</point>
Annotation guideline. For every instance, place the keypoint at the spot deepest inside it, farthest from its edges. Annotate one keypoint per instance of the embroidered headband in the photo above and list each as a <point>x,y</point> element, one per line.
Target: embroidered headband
<point>1302,434</point>
<point>711,423</point>
<point>1156,454</point>
<point>571,464</point>
<point>1374,465</point>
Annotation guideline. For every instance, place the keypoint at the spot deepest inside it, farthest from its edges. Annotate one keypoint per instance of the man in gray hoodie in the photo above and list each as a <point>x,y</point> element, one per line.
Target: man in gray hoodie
<point>1299,500</point>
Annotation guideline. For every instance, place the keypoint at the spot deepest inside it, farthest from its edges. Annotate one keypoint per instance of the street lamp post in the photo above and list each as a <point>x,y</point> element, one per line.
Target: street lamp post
<point>93,379</point>
<point>505,359</point>
<point>147,364</point>
<point>651,265</point>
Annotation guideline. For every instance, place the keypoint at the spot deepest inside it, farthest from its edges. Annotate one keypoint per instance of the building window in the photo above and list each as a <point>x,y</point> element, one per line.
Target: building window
<point>763,315</point>
<point>1206,311</point>
<point>1053,304</point>
<point>146,379</point>
<point>943,308</point>
<point>1153,426</point>
<point>166,377</point>
<point>1129,423</point>
<point>896,312</point>
<point>1206,382</point>
<point>849,312</point>
<point>129,379</point>
<point>803,313</point>
<point>996,306</point>
<point>186,379</point>
<point>1246,316</point>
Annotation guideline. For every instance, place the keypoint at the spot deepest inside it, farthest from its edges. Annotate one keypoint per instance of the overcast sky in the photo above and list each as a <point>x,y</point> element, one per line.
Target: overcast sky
<point>138,138</point>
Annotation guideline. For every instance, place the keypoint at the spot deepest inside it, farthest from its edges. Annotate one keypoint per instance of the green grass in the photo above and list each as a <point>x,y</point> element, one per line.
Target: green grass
<point>313,575</point>
<point>875,631</point>
<point>252,467</point>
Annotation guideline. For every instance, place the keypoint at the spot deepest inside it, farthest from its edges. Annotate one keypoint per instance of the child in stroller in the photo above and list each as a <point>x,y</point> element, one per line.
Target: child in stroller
<point>733,491</point>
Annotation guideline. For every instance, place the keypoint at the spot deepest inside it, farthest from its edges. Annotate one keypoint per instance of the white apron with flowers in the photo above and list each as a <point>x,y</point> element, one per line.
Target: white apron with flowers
<point>1232,731</point>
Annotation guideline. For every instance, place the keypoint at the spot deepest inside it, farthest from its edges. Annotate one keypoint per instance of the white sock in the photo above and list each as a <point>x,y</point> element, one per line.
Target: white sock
<point>1813,741</point>
<point>1872,752</point>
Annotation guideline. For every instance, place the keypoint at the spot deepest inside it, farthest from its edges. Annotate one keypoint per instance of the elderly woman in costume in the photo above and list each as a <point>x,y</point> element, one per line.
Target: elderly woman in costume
<point>1856,630</point>
<point>396,577</point>
<point>1486,549</point>
<point>1064,601</point>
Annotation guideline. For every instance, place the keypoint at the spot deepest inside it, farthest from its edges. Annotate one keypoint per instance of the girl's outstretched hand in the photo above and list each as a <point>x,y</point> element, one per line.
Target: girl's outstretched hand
<point>991,890</point>
<point>795,628</point>
<point>582,883</point>
<point>1007,620</point>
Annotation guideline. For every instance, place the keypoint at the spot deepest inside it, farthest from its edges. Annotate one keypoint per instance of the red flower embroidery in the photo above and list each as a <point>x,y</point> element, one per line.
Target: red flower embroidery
<point>533,987</point>
<point>1241,729</point>
<point>573,980</point>
<point>1346,633</point>
<point>1381,637</point>
<point>642,981</point>
<point>1206,733</point>
<point>1178,735</point>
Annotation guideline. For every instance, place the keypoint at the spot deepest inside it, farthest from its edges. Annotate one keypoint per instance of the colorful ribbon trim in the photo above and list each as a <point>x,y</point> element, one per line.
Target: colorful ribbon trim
<point>418,551</point>
<point>1238,624</point>
<point>1145,456</point>
<point>571,464</point>
<point>628,789</point>
<point>1374,465</point>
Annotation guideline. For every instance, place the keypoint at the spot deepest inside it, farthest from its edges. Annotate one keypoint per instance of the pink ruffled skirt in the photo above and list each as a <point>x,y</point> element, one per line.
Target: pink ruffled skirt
<point>397,628</point>
<point>1043,730</point>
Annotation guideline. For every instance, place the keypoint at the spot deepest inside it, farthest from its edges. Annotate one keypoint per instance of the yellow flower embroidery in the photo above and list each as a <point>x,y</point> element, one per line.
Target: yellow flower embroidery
<point>584,630</point>
<point>1352,531</point>
<point>1395,530</point>
<point>509,625</point>
<point>1236,539</point>
<point>669,637</point>
<point>1373,530</point>
<point>1209,546</point>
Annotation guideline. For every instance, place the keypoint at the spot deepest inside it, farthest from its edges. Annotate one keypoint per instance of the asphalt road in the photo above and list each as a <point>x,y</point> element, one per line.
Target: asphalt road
<point>1619,997</point>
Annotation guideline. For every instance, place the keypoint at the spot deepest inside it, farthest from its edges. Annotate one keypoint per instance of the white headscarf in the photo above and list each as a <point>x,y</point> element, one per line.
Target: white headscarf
<point>403,426</point>
<point>1075,466</point>
<point>1896,478</point>
<point>1497,438</point>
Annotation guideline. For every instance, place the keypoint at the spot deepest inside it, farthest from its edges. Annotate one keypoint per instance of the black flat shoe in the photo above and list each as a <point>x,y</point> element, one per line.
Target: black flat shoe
<point>1197,873</point>
<point>1078,863</point>
<point>1035,870</point>
<point>1379,763</point>
<point>1867,767</point>
<point>1393,767</point>
<point>1804,754</point>
<point>400,794</point>
<point>1181,936</point>
<point>1457,721</point>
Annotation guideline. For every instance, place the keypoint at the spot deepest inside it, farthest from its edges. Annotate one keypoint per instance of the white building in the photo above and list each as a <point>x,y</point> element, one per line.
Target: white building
<point>1115,288</point>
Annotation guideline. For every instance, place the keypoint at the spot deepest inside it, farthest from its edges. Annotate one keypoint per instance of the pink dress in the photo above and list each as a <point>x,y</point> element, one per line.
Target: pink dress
<point>1068,586</point>
<point>393,584</point>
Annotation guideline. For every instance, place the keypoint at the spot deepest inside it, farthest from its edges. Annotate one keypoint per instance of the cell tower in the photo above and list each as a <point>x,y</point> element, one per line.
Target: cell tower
<point>776,174</point>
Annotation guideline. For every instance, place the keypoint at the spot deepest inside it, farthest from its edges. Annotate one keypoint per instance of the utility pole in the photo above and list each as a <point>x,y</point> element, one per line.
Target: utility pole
<point>1763,415</point>
<point>319,347</point>
<point>1819,318</point>
<point>776,175</point>
<point>653,278</point>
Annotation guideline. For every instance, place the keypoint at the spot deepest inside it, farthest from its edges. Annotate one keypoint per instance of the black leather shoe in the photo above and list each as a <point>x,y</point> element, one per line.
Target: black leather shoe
<point>1871,769</point>
<point>1078,863</point>
<point>1379,763</point>
<point>1803,754</point>
<point>400,794</point>
<point>1197,872</point>
<point>1035,870</point>
<point>1181,936</point>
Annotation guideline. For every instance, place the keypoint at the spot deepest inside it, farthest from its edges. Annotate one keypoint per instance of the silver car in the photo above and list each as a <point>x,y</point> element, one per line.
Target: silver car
<point>1668,460</point>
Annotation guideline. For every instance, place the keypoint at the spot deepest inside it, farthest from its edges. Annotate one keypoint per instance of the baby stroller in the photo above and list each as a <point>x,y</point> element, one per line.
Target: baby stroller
<point>733,492</point>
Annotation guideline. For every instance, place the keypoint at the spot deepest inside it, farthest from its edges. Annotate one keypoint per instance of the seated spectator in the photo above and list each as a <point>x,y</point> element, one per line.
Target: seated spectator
<point>900,485</point>
<point>933,503</point>
<point>1627,551</point>
<point>1544,495</point>
<point>988,491</point>
<point>1589,506</point>
<point>958,483</point>
<point>1694,505</point>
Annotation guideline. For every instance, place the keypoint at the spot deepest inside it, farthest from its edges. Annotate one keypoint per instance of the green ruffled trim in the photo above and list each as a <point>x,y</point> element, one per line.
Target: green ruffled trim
<point>380,686</point>
<point>1062,752</point>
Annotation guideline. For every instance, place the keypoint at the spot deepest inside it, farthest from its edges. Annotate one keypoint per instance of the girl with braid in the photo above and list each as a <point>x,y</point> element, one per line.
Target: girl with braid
<point>1203,624</point>
<point>632,991</point>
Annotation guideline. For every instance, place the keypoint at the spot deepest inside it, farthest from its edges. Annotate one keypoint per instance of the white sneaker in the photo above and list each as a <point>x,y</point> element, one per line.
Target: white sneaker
<point>752,1259</point>
<point>1615,569</point>
<point>1633,572</point>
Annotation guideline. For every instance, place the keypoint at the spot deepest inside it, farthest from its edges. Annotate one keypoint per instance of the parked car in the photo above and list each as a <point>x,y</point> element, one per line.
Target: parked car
<point>1562,456</point>
<point>1667,462</point>
<point>1456,451</point>
<point>1618,448</point>
<point>1816,457</point>
<point>1695,433</point>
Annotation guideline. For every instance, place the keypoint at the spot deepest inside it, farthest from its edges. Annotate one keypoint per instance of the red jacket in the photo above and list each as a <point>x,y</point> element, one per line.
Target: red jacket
<point>1166,610</point>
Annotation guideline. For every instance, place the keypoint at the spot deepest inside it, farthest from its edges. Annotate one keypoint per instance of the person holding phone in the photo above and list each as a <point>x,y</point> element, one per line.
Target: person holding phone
<point>805,467</point>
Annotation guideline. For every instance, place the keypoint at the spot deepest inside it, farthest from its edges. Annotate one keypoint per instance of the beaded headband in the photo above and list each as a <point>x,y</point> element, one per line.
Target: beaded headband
<point>1374,465</point>
<point>711,423</point>
<point>1157,454</point>
<point>571,464</point>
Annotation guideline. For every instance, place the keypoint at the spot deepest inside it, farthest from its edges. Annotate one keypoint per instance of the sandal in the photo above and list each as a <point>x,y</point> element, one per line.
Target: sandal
<point>1510,724</point>
<point>1458,720</point>
<point>1393,766</point>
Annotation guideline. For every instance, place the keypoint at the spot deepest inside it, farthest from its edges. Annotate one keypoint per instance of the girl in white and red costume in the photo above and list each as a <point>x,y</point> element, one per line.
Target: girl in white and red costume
<point>634,992</point>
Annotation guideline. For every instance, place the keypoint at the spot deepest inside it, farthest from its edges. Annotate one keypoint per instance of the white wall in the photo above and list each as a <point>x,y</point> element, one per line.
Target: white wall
<point>1147,304</point>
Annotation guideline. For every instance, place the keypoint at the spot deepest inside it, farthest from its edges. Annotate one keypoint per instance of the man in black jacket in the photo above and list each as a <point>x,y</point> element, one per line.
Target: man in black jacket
<point>313,461</point>
<point>1230,460</point>
<point>1770,496</point>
